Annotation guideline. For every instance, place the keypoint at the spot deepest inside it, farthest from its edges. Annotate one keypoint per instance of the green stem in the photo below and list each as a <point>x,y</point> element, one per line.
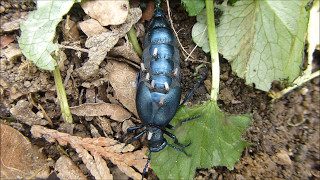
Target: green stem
<point>133,39</point>
<point>66,115</point>
<point>213,50</point>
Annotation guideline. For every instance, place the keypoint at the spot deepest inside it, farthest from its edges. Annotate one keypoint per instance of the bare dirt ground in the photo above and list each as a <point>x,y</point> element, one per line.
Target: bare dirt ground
<point>284,133</point>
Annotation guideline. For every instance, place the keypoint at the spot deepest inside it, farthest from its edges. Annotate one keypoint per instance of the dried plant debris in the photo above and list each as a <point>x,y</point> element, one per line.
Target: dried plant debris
<point>70,30</point>
<point>123,80</point>
<point>99,45</point>
<point>67,169</point>
<point>92,27</point>
<point>19,158</point>
<point>116,112</point>
<point>91,150</point>
<point>23,113</point>
<point>12,52</point>
<point>126,50</point>
<point>6,40</point>
<point>107,12</point>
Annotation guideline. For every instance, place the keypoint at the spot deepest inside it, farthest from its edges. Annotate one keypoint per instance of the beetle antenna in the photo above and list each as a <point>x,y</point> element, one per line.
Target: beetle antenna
<point>146,166</point>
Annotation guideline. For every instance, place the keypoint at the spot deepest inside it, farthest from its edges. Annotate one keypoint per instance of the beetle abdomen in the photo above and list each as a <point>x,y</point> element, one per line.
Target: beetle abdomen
<point>158,93</point>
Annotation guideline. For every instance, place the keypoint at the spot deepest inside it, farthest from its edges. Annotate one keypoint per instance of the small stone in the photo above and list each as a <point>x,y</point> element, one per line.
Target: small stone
<point>282,158</point>
<point>27,84</point>
<point>2,9</point>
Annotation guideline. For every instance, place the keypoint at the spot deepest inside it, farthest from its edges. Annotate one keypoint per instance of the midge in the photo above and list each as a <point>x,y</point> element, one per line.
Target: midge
<point>158,82</point>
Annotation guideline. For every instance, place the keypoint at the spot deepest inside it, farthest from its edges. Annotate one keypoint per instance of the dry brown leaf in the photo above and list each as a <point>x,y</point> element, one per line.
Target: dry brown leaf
<point>92,27</point>
<point>70,30</point>
<point>12,52</point>
<point>116,112</point>
<point>105,147</point>
<point>22,112</point>
<point>123,80</point>
<point>5,40</point>
<point>101,44</point>
<point>148,13</point>
<point>126,51</point>
<point>19,159</point>
<point>67,169</point>
<point>107,12</point>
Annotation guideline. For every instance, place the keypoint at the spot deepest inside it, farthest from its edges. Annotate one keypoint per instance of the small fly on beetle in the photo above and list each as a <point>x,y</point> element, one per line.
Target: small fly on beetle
<point>158,85</point>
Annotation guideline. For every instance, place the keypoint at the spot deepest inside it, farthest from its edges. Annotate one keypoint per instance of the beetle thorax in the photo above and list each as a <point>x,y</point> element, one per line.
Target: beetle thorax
<point>155,139</point>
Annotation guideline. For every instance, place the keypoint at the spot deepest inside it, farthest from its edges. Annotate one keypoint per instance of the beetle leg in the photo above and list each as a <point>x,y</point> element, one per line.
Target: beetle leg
<point>194,89</point>
<point>175,139</point>
<point>169,126</point>
<point>146,166</point>
<point>178,149</point>
<point>129,130</point>
<point>134,138</point>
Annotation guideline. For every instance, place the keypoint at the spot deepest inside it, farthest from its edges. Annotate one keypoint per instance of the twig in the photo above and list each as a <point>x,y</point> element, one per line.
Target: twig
<point>74,48</point>
<point>196,47</point>
<point>171,22</point>
<point>123,60</point>
<point>39,107</point>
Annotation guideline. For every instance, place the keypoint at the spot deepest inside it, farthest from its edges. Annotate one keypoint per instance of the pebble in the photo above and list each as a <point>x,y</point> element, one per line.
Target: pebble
<point>282,158</point>
<point>2,9</point>
<point>27,84</point>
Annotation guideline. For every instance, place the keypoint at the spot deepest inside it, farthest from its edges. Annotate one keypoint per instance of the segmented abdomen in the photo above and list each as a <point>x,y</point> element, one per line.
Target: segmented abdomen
<point>158,93</point>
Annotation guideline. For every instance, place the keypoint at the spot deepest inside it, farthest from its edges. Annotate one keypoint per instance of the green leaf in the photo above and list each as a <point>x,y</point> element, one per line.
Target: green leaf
<point>200,33</point>
<point>193,7</point>
<point>38,32</point>
<point>263,40</point>
<point>216,141</point>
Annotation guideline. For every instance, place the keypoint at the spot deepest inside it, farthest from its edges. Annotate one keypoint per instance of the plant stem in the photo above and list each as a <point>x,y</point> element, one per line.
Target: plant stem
<point>133,39</point>
<point>66,115</point>
<point>297,83</point>
<point>213,50</point>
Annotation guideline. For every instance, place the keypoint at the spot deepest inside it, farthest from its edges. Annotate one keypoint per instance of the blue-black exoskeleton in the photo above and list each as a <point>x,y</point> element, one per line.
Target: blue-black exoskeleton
<point>158,85</point>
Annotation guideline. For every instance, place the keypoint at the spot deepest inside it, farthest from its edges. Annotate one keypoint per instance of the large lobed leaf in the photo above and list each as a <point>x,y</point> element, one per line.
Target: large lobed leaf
<point>216,141</point>
<point>193,7</point>
<point>263,40</point>
<point>38,31</point>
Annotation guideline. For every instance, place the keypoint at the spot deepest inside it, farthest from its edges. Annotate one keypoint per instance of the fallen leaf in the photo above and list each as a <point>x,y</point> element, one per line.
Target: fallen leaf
<point>19,158</point>
<point>107,12</point>
<point>6,40</point>
<point>12,52</point>
<point>126,51</point>
<point>92,27</point>
<point>148,13</point>
<point>70,30</point>
<point>22,112</point>
<point>116,112</point>
<point>101,44</point>
<point>67,169</point>
<point>105,147</point>
<point>123,80</point>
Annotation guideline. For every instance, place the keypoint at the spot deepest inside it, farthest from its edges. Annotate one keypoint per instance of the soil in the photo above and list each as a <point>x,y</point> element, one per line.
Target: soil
<point>284,132</point>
